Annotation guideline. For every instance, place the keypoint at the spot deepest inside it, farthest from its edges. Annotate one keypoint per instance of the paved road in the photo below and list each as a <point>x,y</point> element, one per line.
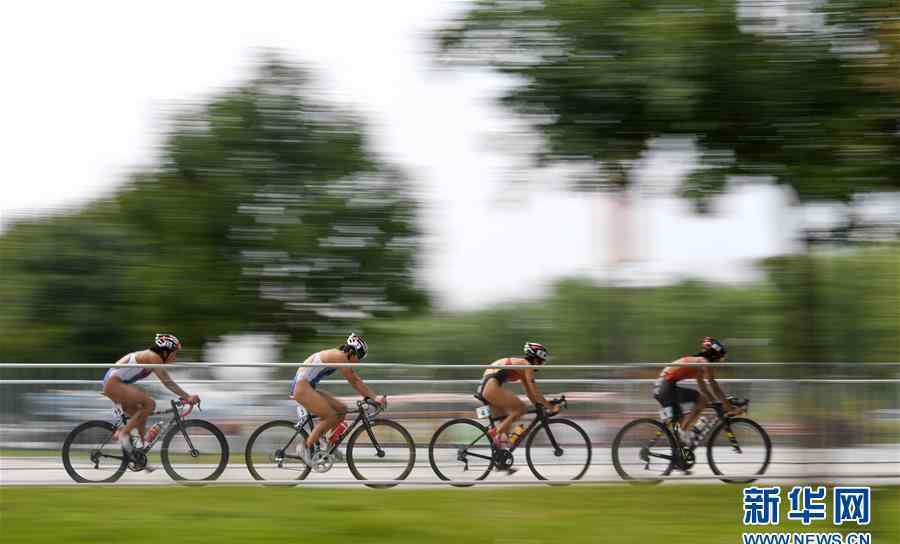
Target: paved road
<point>864,465</point>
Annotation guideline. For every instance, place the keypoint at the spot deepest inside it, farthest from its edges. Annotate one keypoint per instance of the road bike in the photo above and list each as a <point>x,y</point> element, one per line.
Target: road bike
<point>737,448</point>
<point>462,452</point>
<point>377,448</point>
<point>192,449</point>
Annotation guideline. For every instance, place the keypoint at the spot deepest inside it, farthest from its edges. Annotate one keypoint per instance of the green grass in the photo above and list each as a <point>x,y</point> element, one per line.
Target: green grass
<point>618,514</point>
<point>5,452</point>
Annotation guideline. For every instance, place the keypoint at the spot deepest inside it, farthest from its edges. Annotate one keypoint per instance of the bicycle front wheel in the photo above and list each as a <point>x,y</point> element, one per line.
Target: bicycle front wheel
<point>739,449</point>
<point>90,455</point>
<point>272,452</point>
<point>643,451</point>
<point>460,452</point>
<point>195,450</point>
<point>382,451</point>
<point>558,449</point>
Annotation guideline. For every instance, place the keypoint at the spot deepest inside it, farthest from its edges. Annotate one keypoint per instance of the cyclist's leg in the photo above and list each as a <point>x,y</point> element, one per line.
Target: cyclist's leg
<point>339,407</point>
<point>136,403</point>
<point>318,404</point>
<point>506,401</point>
<point>690,396</point>
<point>664,393</point>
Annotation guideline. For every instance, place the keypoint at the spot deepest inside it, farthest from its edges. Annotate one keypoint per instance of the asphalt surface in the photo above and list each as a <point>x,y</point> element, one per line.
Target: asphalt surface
<point>868,465</point>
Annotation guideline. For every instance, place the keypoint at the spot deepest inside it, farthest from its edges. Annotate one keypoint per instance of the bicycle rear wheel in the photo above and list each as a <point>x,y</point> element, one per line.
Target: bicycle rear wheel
<point>383,451</point>
<point>739,447</point>
<point>558,449</point>
<point>271,452</point>
<point>90,455</point>
<point>461,452</point>
<point>642,451</point>
<point>195,450</point>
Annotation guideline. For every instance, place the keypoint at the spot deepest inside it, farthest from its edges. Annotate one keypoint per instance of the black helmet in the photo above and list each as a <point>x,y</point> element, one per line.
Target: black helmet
<point>713,349</point>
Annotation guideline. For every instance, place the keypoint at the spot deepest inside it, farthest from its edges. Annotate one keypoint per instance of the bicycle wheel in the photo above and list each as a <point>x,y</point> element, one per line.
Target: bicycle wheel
<point>271,452</point>
<point>642,451</point>
<point>558,449</point>
<point>195,450</point>
<point>90,454</point>
<point>738,447</point>
<point>383,451</point>
<point>461,452</point>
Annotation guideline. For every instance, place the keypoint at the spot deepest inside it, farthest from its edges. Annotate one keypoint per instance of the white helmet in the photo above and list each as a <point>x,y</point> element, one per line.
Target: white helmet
<point>536,350</point>
<point>358,345</point>
<point>167,342</point>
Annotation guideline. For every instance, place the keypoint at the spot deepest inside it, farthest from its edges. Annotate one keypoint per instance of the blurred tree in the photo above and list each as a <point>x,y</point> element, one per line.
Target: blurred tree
<point>814,108</point>
<point>267,213</point>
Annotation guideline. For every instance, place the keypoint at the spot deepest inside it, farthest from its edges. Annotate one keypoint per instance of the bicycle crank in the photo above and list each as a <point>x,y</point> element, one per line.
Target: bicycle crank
<point>137,461</point>
<point>322,462</point>
<point>503,459</point>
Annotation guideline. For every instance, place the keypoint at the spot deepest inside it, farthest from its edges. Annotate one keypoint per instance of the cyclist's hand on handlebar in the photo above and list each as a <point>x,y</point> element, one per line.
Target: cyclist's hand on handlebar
<point>193,399</point>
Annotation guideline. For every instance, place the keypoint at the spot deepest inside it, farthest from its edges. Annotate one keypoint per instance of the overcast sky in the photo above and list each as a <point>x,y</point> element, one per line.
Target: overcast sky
<point>92,84</point>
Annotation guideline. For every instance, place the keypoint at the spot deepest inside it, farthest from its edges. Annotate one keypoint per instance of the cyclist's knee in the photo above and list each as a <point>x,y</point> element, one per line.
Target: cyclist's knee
<point>144,408</point>
<point>151,406</point>
<point>519,409</point>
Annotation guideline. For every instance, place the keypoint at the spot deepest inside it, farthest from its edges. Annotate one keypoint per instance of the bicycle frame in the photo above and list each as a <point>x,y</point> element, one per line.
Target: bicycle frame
<point>177,418</point>
<point>362,417</point>
<point>541,417</point>
<point>674,425</point>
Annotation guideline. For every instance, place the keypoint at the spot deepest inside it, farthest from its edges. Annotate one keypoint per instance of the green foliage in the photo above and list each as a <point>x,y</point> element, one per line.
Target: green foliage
<point>267,213</point>
<point>856,317</point>
<point>816,109</point>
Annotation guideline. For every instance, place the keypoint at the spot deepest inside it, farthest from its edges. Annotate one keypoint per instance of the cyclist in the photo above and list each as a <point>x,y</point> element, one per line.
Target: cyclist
<point>672,397</point>
<point>331,411</point>
<point>118,385</point>
<point>504,402</point>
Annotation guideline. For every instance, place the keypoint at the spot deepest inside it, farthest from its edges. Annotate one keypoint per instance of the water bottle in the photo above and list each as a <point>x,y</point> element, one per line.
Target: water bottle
<point>338,432</point>
<point>152,433</point>
<point>700,428</point>
<point>516,434</point>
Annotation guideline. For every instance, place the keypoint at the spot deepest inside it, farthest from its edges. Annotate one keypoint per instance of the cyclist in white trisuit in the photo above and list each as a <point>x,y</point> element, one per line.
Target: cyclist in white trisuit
<point>118,383</point>
<point>331,411</point>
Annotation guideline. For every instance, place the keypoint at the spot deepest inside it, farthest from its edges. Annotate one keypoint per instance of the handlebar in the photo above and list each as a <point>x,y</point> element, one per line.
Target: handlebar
<point>555,402</point>
<point>176,404</point>
<point>372,403</point>
<point>743,404</point>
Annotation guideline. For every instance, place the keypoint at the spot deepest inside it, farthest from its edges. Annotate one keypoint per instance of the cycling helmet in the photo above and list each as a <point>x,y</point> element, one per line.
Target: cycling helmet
<point>536,351</point>
<point>713,349</point>
<point>166,342</point>
<point>357,344</point>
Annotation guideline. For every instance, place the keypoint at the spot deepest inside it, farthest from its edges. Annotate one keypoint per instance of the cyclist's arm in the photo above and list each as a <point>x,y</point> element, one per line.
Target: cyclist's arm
<point>704,390</point>
<point>356,382</point>
<point>531,390</point>
<point>170,384</point>
<point>720,395</point>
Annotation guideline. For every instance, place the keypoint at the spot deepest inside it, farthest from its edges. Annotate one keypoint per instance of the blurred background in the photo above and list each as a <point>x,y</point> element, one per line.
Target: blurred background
<point>613,179</point>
